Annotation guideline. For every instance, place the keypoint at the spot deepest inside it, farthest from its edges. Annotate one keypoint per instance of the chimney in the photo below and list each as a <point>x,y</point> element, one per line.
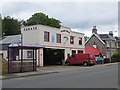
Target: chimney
<point>111,33</point>
<point>94,30</point>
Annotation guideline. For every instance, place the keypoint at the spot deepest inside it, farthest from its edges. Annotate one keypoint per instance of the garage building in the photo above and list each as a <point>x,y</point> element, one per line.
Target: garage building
<point>57,43</point>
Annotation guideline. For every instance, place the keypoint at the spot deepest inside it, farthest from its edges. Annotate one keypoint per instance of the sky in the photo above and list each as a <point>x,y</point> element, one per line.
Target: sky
<point>79,15</point>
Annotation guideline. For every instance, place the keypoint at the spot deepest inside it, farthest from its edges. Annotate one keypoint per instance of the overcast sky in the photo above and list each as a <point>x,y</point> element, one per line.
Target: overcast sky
<point>80,16</point>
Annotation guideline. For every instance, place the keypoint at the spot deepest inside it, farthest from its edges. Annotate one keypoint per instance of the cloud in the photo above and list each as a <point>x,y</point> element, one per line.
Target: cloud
<point>77,15</point>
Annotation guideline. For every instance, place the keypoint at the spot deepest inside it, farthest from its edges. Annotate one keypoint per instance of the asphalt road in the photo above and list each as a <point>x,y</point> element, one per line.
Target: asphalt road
<point>96,77</point>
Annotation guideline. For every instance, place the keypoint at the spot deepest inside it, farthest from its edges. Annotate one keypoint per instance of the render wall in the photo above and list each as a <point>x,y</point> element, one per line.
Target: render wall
<point>36,37</point>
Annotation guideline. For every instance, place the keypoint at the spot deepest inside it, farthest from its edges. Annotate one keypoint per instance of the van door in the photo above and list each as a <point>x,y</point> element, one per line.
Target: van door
<point>73,59</point>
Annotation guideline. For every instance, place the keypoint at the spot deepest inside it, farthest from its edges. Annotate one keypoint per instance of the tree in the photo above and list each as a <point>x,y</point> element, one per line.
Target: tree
<point>0,26</point>
<point>10,26</point>
<point>41,18</point>
<point>116,57</point>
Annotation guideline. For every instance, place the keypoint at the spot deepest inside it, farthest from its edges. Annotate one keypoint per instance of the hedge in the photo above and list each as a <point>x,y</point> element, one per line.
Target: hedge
<point>116,57</point>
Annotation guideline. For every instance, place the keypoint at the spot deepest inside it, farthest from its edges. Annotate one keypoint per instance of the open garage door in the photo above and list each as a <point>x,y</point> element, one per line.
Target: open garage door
<point>53,56</point>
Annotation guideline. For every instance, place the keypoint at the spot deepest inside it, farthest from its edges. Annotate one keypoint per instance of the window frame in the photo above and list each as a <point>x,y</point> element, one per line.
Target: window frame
<point>31,52</point>
<point>71,38</point>
<point>48,36</point>
<point>58,38</point>
<point>80,41</point>
<point>80,51</point>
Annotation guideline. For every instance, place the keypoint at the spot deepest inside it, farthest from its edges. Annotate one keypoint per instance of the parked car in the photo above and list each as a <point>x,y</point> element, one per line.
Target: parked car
<point>84,59</point>
<point>99,60</point>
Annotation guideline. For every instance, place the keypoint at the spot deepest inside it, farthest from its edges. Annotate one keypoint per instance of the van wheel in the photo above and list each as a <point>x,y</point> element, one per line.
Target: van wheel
<point>85,64</point>
<point>68,63</point>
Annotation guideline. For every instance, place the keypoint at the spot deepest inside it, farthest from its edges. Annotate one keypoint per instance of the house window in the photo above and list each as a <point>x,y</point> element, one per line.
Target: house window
<point>80,41</point>
<point>46,36</point>
<point>29,54</point>
<point>58,38</point>
<point>71,40</point>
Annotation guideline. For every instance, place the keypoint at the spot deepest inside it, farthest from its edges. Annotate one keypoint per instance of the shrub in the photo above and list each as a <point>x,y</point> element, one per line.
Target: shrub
<point>107,60</point>
<point>116,57</point>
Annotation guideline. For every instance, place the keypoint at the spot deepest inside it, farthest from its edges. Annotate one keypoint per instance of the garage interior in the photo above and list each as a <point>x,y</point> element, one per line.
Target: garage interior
<point>53,56</point>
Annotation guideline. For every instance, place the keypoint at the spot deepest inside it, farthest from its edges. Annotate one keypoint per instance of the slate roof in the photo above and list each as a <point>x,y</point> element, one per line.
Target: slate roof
<point>106,37</point>
<point>10,39</point>
<point>103,37</point>
<point>117,38</point>
<point>96,35</point>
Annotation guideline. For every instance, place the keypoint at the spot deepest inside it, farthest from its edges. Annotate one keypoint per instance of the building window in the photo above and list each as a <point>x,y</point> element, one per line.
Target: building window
<point>68,55</point>
<point>71,40</point>
<point>46,36</point>
<point>80,41</point>
<point>29,54</point>
<point>80,51</point>
<point>73,52</point>
<point>36,28</point>
<point>58,38</point>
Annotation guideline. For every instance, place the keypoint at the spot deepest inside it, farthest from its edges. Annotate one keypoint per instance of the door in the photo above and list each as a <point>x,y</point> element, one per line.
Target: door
<point>73,59</point>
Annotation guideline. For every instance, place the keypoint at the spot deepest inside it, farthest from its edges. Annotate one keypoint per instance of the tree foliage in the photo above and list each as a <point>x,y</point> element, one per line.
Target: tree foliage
<point>41,18</point>
<point>0,26</point>
<point>10,26</point>
<point>116,57</point>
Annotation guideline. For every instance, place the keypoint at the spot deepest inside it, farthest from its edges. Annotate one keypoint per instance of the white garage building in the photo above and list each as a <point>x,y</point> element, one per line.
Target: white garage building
<point>57,44</point>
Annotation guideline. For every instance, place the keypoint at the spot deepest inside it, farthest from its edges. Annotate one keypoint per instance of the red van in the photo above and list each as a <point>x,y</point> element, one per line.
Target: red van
<point>84,59</point>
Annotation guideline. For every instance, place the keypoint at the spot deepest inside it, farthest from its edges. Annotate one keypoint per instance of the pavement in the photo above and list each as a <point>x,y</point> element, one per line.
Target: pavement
<point>49,70</point>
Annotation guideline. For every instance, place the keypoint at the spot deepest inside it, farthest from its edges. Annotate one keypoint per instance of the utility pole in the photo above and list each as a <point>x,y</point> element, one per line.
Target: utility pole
<point>111,42</point>
<point>110,49</point>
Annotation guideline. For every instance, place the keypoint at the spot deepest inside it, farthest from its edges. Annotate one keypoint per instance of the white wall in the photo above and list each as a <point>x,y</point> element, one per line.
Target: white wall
<point>119,32</point>
<point>4,54</point>
<point>36,37</point>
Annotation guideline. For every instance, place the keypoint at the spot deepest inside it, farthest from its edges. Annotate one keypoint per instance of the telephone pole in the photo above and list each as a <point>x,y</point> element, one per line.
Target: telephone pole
<point>110,49</point>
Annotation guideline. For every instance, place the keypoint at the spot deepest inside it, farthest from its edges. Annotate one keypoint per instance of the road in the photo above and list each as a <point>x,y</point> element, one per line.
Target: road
<point>96,77</point>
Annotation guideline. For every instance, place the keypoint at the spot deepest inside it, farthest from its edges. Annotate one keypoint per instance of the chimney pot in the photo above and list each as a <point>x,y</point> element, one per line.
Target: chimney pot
<point>111,33</point>
<point>94,27</point>
<point>94,30</point>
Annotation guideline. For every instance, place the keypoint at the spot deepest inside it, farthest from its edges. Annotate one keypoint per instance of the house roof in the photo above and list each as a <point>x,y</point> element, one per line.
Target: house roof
<point>106,37</point>
<point>95,36</point>
<point>117,38</point>
<point>11,39</point>
<point>90,49</point>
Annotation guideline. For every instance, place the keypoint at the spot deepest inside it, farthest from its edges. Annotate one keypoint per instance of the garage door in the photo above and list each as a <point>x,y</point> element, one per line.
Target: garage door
<point>53,56</point>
